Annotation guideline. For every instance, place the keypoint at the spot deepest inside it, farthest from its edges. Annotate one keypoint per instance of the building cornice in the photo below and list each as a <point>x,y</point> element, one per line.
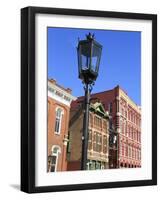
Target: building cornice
<point>60,94</point>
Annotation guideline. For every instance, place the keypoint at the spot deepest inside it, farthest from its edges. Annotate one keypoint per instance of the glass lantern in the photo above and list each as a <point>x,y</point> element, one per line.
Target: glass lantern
<point>89,55</point>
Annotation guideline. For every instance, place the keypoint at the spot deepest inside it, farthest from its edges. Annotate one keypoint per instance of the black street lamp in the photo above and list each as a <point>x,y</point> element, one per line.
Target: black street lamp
<point>89,55</point>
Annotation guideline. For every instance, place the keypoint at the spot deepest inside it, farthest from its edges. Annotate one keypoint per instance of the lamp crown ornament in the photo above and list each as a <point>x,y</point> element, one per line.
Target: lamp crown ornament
<point>90,36</point>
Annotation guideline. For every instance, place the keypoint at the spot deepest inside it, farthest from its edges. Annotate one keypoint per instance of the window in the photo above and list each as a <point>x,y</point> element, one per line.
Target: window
<point>90,119</point>
<point>132,133</point>
<point>97,142</point>
<point>139,137</point>
<point>104,144</point>
<point>134,118</point>
<point>100,143</point>
<point>126,150</point>
<point>91,165</point>
<point>94,142</point>
<point>123,149</point>
<point>123,128</point>
<point>126,114</point>
<point>53,159</point>
<point>90,139</point>
<point>129,152</point>
<point>139,155</point>
<point>97,122</point>
<point>110,108</point>
<point>58,119</point>
<point>52,163</point>
<point>122,112</point>
<point>127,131</point>
<point>129,115</point>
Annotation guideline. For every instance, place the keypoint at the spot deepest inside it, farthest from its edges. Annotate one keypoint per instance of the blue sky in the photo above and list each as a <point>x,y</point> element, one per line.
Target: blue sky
<point>120,60</point>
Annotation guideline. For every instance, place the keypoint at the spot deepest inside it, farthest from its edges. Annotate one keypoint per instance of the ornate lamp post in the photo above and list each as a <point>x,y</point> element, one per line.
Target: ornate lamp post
<point>89,55</point>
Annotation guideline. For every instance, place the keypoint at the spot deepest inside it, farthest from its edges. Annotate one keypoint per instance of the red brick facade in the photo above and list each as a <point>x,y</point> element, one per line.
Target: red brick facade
<point>59,100</point>
<point>130,135</point>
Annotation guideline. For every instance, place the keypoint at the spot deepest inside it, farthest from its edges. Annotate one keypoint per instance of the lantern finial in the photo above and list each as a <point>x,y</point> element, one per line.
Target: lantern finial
<point>90,36</point>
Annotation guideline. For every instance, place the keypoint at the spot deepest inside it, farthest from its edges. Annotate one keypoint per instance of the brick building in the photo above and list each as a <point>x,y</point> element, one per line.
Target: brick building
<point>59,100</point>
<point>98,137</point>
<point>124,128</point>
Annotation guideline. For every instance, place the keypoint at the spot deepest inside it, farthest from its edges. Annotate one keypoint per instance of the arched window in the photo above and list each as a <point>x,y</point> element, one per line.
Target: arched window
<point>53,158</point>
<point>58,119</point>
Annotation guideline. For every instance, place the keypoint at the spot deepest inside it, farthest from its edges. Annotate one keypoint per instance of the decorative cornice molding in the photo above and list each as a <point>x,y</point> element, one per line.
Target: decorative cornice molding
<point>59,94</point>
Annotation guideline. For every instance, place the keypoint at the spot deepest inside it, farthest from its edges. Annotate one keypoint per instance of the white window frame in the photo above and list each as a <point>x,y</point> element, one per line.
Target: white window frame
<point>60,120</point>
<point>56,154</point>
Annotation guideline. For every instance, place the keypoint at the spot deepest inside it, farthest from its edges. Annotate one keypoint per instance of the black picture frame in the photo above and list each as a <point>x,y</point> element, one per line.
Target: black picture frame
<point>28,98</point>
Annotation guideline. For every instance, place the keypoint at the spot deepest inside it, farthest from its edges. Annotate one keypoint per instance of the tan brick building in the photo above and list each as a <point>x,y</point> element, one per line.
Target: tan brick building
<point>59,100</point>
<point>98,137</point>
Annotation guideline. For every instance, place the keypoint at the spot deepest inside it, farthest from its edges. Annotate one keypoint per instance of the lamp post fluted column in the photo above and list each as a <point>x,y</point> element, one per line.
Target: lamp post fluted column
<point>85,127</point>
